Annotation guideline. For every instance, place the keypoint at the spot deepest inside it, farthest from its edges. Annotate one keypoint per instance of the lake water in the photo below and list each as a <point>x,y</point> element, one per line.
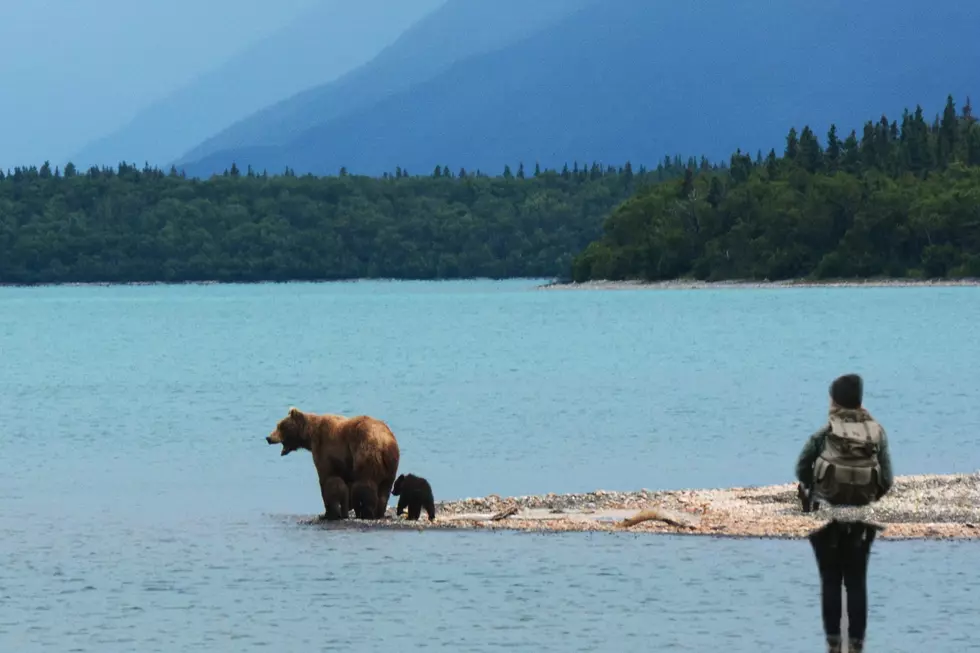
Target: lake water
<point>141,509</point>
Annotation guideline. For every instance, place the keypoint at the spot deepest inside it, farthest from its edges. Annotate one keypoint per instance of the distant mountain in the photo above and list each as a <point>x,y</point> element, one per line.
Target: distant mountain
<point>455,31</point>
<point>637,79</point>
<point>329,40</point>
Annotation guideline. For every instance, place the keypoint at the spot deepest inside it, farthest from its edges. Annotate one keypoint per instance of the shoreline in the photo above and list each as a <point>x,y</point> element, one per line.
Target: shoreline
<point>672,284</point>
<point>920,507</point>
<point>215,282</point>
<point>736,284</point>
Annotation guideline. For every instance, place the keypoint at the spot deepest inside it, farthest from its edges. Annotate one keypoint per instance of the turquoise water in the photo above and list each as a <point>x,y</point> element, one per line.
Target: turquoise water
<point>142,510</point>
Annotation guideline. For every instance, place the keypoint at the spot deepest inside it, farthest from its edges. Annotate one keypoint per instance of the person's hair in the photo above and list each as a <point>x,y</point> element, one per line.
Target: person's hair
<point>847,391</point>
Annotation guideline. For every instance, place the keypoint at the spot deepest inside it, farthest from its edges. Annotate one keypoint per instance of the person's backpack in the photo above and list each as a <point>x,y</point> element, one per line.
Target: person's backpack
<point>847,470</point>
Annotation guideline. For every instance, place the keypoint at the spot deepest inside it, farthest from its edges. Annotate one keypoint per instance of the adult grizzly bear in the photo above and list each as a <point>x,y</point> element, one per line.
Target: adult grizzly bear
<point>356,449</point>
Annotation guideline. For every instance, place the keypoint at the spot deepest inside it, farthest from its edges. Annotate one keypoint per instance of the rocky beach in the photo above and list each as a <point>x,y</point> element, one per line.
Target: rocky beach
<point>694,284</point>
<point>918,507</point>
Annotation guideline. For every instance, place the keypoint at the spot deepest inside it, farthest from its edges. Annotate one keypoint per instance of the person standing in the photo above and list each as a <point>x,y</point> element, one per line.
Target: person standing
<point>848,466</point>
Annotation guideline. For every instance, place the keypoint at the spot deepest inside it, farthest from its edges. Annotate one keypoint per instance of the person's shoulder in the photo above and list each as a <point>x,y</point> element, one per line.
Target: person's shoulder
<point>881,427</point>
<point>821,432</point>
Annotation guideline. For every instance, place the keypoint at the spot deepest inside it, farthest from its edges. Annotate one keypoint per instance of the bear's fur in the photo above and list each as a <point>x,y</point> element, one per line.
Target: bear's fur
<point>364,500</point>
<point>336,498</point>
<point>416,493</point>
<point>356,449</point>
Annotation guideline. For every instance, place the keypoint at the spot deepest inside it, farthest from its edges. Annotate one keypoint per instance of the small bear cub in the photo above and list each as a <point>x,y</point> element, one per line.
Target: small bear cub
<point>414,493</point>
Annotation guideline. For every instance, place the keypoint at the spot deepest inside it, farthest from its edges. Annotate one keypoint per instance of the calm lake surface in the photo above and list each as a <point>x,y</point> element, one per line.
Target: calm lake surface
<point>141,509</point>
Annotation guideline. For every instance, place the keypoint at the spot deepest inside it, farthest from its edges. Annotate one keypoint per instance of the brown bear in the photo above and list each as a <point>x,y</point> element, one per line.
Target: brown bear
<point>356,449</point>
<point>364,500</point>
<point>336,498</point>
<point>416,493</point>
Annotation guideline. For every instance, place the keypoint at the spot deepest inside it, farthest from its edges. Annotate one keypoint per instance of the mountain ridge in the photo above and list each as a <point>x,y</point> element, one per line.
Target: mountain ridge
<point>252,78</point>
<point>586,88</point>
<point>464,27</point>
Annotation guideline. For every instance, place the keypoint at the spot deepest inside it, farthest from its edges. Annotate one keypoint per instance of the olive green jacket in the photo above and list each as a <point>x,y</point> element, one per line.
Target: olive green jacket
<point>814,446</point>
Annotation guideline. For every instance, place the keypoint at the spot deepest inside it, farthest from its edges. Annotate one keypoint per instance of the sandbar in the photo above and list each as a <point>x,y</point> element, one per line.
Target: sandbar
<point>927,507</point>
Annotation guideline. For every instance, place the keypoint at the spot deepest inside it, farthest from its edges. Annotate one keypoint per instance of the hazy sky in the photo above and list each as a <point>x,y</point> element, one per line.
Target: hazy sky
<point>72,70</point>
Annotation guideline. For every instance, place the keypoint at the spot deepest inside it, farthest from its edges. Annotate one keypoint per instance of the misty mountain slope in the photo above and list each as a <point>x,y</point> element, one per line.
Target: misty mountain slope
<point>637,79</point>
<point>70,71</point>
<point>456,30</point>
<point>324,43</point>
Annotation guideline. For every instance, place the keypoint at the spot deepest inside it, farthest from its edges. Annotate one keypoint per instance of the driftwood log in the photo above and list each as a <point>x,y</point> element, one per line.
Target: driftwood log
<point>505,513</point>
<point>659,514</point>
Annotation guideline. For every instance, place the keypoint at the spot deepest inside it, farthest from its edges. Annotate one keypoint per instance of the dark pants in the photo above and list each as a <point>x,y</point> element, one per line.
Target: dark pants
<point>842,550</point>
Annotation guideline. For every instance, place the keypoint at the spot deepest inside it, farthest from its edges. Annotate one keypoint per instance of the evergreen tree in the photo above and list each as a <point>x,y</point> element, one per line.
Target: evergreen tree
<point>715,192</point>
<point>811,156</point>
<point>948,132</point>
<point>833,152</point>
<point>792,145</point>
<point>687,187</point>
<point>851,153</point>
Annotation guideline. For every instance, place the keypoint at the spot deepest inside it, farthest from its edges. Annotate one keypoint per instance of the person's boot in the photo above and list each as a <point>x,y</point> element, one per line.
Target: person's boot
<point>833,644</point>
<point>855,645</point>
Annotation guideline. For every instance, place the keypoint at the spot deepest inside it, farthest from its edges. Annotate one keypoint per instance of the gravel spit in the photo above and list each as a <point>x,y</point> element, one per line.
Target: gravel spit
<point>918,507</point>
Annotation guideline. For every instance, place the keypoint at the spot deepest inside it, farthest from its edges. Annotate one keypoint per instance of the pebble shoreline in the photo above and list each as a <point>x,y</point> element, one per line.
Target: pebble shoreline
<point>692,284</point>
<point>918,507</point>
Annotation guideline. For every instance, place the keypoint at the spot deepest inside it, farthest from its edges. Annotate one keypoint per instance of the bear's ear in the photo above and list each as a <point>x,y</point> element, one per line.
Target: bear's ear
<point>296,413</point>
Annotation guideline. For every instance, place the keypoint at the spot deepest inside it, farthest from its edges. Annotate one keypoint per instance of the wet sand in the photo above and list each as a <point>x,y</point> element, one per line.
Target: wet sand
<point>918,507</point>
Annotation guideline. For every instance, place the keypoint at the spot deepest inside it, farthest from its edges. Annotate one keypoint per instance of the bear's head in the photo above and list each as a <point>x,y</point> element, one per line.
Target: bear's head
<point>291,432</point>
<point>396,489</point>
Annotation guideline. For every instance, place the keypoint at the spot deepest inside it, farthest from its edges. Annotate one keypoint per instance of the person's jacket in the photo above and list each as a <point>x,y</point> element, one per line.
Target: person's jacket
<point>814,446</point>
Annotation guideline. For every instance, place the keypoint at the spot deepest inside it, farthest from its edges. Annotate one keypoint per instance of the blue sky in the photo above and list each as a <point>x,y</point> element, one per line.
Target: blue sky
<point>71,71</point>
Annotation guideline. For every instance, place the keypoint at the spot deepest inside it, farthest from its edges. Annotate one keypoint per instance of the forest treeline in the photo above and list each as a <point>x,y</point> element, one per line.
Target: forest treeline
<point>130,224</point>
<point>900,199</point>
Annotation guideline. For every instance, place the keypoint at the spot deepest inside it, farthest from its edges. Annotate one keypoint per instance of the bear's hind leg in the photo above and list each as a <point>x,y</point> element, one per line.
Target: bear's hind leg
<point>345,505</point>
<point>430,507</point>
<point>384,495</point>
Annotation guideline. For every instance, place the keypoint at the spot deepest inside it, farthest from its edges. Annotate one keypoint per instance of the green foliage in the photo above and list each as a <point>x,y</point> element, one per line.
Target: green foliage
<point>903,201</point>
<point>129,224</point>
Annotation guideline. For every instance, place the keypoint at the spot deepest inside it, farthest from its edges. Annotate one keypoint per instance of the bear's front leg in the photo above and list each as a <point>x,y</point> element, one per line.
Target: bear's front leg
<point>401,506</point>
<point>328,499</point>
<point>414,510</point>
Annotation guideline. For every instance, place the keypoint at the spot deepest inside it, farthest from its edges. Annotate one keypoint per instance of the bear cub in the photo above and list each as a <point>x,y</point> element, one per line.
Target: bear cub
<point>364,500</point>
<point>415,493</point>
<point>336,498</point>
